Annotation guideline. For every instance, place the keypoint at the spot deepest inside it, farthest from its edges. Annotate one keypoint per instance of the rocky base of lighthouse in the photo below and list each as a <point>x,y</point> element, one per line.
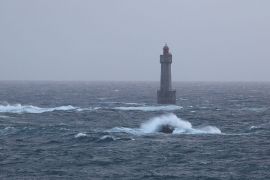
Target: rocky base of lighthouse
<point>166,97</point>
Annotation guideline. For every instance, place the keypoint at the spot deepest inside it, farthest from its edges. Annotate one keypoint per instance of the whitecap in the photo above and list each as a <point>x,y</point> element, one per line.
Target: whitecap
<point>18,108</point>
<point>88,109</point>
<point>261,126</point>
<point>253,127</point>
<point>107,138</point>
<point>149,108</point>
<point>80,135</point>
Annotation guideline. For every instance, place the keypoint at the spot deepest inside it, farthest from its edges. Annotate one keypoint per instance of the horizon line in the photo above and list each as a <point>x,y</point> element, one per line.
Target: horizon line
<point>179,81</point>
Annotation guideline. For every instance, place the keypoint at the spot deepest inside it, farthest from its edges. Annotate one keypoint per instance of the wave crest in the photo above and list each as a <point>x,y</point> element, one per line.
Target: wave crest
<point>79,135</point>
<point>18,108</point>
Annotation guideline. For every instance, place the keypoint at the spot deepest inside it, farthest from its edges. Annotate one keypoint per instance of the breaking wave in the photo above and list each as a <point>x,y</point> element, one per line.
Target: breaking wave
<point>79,135</point>
<point>150,108</point>
<point>107,138</point>
<point>18,108</point>
<point>180,127</point>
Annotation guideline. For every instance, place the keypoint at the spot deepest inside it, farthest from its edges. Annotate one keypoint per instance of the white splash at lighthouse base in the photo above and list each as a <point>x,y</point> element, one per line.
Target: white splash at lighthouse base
<point>179,126</point>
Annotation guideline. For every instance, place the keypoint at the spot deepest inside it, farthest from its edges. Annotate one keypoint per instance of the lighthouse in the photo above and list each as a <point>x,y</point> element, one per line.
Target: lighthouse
<point>166,95</point>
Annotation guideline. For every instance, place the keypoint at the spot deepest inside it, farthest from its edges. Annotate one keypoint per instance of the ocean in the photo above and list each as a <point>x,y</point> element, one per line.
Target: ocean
<point>109,130</point>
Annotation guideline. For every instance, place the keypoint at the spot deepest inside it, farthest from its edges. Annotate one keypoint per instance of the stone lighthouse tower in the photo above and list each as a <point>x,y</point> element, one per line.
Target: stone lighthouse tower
<point>166,95</point>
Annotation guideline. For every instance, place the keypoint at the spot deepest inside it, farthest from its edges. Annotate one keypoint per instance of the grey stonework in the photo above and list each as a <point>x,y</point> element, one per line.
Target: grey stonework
<point>166,95</point>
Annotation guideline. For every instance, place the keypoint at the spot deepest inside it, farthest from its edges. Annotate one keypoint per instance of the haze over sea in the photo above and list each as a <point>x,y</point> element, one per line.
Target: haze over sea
<point>108,130</point>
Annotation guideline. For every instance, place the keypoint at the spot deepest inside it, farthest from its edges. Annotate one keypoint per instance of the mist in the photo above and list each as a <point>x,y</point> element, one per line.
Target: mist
<point>121,40</point>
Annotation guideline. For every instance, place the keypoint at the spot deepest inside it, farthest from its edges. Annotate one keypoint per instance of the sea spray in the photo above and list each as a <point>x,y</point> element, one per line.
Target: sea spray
<point>153,125</point>
<point>172,120</point>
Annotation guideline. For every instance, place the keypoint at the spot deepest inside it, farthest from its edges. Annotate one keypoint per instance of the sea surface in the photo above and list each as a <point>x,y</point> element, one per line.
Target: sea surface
<point>109,130</point>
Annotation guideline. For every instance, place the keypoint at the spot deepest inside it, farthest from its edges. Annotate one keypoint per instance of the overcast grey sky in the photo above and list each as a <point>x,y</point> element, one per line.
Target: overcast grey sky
<point>211,40</point>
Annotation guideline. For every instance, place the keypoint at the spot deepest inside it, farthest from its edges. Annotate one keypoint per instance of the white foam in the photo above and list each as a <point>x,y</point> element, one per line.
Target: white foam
<point>253,127</point>
<point>181,126</point>
<point>112,138</point>
<point>88,109</point>
<point>107,137</point>
<point>153,125</point>
<point>150,108</point>
<point>18,108</point>
<point>80,135</point>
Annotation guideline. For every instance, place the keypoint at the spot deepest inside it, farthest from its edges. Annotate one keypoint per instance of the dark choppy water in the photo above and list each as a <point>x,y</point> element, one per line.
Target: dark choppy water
<point>107,131</point>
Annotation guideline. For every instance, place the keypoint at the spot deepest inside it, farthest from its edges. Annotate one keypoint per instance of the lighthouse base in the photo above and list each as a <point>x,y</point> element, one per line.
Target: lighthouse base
<point>166,97</point>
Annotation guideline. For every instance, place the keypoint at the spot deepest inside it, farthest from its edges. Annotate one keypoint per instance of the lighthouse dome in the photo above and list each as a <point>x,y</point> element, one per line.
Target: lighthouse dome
<point>166,49</point>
